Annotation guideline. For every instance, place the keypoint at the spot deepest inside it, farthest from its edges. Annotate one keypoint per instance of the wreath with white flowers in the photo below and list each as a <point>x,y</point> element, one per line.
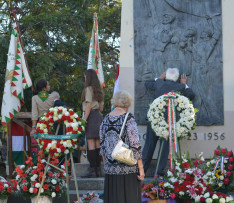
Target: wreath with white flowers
<point>185,111</point>
<point>57,145</point>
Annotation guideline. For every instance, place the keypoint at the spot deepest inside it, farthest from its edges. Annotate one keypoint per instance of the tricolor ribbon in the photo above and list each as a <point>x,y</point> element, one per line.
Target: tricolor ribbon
<point>220,161</point>
<point>172,125</point>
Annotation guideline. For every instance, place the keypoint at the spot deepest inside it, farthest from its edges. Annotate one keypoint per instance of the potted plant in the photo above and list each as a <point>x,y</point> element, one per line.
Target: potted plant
<point>89,197</point>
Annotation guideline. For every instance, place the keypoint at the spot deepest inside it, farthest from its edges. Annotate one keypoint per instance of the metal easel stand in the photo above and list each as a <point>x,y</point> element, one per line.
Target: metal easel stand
<point>66,166</point>
<point>159,158</point>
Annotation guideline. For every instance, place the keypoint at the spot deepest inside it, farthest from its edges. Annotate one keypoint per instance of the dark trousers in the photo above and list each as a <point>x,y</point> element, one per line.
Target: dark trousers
<point>148,151</point>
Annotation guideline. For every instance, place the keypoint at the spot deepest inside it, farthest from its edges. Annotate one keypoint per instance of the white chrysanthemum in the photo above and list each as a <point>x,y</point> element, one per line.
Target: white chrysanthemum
<point>31,190</point>
<point>53,194</point>
<point>222,200</point>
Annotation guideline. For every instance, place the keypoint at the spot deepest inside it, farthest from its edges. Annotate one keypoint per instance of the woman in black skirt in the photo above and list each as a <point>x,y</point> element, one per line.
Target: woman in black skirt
<point>92,101</point>
<point>122,182</point>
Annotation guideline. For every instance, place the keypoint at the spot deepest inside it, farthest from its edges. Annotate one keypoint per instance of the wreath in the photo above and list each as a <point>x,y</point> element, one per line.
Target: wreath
<point>184,110</point>
<point>220,169</point>
<point>46,135</point>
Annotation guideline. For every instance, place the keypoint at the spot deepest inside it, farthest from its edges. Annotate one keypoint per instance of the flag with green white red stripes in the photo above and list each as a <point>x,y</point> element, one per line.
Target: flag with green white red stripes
<point>94,59</point>
<point>17,78</point>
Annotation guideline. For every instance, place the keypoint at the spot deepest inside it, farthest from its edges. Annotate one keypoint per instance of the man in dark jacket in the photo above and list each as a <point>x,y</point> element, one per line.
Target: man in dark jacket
<point>163,85</point>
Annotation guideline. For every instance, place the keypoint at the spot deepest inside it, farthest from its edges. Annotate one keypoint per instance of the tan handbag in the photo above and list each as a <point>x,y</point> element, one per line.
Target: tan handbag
<point>121,152</point>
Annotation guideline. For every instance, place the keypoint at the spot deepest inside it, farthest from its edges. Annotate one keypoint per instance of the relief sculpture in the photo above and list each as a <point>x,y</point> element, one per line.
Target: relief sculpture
<point>186,34</point>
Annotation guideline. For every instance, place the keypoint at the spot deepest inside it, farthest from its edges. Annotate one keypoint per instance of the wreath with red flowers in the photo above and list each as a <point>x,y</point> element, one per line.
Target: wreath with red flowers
<point>46,135</point>
<point>220,169</point>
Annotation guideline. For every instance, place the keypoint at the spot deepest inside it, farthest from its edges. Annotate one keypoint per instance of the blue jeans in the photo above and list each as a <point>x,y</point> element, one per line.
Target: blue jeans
<point>148,151</point>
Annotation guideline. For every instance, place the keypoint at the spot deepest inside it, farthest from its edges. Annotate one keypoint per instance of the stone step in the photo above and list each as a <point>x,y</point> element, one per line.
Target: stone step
<point>81,168</point>
<point>94,184</point>
<point>89,184</point>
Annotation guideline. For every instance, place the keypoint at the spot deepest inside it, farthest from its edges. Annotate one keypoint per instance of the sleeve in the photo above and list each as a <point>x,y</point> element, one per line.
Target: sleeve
<point>88,95</point>
<point>34,110</point>
<point>188,92</point>
<point>135,144</point>
<point>102,147</point>
<point>150,84</point>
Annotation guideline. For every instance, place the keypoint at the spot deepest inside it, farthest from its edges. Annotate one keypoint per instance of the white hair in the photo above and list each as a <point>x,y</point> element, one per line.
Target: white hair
<point>172,74</point>
<point>55,94</point>
<point>121,98</point>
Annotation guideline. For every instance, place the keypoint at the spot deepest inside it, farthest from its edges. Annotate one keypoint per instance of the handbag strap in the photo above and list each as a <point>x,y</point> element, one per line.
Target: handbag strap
<point>122,129</point>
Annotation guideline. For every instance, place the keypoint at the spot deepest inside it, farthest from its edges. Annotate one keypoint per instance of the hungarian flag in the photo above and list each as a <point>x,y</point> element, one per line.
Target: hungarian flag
<point>17,78</point>
<point>94,60</point>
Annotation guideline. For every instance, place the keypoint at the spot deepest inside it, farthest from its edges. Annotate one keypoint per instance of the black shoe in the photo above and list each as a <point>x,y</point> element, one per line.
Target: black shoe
<point>91,173</point>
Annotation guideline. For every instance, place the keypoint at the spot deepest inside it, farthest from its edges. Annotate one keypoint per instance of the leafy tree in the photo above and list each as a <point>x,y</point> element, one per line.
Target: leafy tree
<point>56,35</point>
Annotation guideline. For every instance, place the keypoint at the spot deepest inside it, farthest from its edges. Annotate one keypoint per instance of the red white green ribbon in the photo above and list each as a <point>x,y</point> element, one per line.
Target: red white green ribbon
<point>220,161</point>
<point>172,125</point>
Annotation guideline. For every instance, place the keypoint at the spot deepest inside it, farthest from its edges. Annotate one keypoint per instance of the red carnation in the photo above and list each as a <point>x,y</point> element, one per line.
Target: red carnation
<point>202,199</point>
<point>216,151</point>
<point>62,148</point>
<point>34,190</point>
<point>230,167</point>
<point>229,153</point>
<point>231,159</point>
<point>176,189</point>
<point>25,188</point>
<point>226,181</point>
<point>9,190</point>
<point>45,186</point>
<point>185,165</point>
<point>1,188</point>
<point>57,188</point>
<point>50,174</point>
<point>228,174</point>
<point>223,150</point>
<point>24,181</point>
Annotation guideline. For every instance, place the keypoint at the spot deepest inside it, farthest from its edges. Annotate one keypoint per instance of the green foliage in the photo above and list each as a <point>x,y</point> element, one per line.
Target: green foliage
<point>56,36</point>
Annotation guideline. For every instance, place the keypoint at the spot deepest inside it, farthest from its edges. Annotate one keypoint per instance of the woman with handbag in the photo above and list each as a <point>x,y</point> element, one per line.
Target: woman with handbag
<point>92,101</point>
<point>122,181</point>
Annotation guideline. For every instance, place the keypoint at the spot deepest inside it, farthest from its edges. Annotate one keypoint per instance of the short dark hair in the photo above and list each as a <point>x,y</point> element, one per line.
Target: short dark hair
<point>42,83</point>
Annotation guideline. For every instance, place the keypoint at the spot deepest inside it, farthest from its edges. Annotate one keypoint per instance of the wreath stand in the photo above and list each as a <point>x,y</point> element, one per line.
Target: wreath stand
<point>59,137</point>
<point>160,154</point>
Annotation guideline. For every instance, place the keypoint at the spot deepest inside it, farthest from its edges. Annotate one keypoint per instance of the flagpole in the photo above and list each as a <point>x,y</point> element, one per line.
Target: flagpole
<point>22,45</point>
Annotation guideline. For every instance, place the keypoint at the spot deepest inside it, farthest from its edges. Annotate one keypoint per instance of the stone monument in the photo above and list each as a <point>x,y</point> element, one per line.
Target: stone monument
<point>184,34</point>
<point>187,39</point>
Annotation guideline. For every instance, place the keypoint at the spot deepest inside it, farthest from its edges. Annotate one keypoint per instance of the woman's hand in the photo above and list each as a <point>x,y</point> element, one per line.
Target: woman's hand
<point>32,132</point>
<point>141,175</point>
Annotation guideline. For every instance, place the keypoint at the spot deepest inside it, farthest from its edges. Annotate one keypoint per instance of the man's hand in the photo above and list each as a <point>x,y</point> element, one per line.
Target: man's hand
<point>163,76</point>
<point>183,79</point>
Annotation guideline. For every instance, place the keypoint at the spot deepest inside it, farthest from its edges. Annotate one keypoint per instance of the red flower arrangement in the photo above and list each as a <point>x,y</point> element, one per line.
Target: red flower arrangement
<point>29,177</point>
